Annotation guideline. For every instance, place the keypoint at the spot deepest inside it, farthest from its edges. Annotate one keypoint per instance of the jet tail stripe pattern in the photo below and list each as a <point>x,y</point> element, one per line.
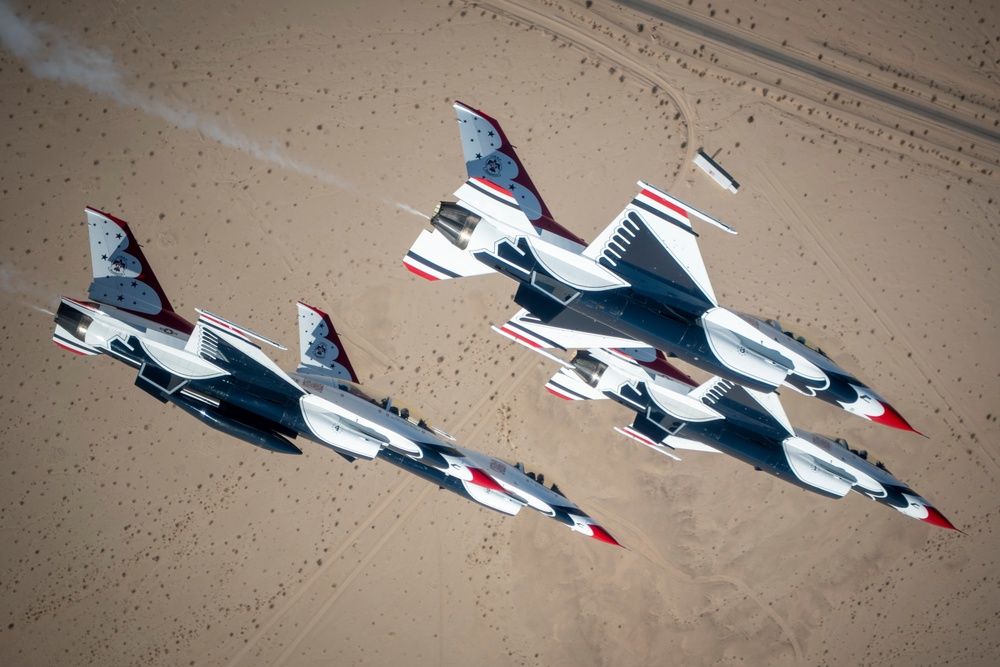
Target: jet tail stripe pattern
<point>426,263</point>
<point>667,218</point>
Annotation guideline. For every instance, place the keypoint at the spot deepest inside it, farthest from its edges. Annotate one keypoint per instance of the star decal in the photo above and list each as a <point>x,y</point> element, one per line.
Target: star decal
<point>135,284</point>
<point>479,155</point>
<point>121,298</point>
<point>118,235</point>
<point>104,256</point>
<point>491,133</point>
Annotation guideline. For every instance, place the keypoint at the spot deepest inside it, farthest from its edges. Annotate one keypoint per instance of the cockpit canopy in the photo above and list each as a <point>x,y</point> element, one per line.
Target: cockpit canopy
<point>797,337</point>
<point>384,401</point>
<point>540,478</point>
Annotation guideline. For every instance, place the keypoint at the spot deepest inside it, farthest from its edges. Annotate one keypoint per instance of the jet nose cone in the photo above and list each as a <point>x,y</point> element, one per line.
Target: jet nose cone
<point>603,535</point>
<point>935,518</point>
<point>890,417</point>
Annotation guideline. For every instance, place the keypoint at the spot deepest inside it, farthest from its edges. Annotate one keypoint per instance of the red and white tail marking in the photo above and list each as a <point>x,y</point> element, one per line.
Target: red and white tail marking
<point>320,346</point>
<point>123,277</point>
<point>489,155</point>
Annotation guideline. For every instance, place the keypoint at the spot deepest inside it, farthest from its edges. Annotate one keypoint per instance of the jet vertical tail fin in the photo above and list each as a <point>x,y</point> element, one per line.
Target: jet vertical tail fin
<point>489,155</point>
<point>123,277</point>
<point>320,347</point>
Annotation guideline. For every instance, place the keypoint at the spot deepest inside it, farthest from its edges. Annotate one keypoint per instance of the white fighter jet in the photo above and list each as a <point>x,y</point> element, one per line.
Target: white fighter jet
<point>674,413</point>
<point>215,371</point>
<point>641,284</point>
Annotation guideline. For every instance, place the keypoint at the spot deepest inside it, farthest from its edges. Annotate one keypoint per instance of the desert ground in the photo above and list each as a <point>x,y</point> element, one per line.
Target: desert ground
<point>268,152</point>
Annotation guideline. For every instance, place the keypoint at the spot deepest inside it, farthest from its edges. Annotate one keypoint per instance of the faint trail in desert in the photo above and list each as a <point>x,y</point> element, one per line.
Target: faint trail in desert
<point>836,258</point>
<point>362,526</point>
<point>757,48</point>
<point>578,36</point>
<point>632,534</point>
<point>344,584</point>
<point>507,387</point>
<point>519,367</point>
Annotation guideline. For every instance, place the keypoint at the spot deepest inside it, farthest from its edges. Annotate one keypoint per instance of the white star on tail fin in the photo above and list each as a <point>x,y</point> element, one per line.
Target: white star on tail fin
<point>320,347</point>
<point>123,277</point>
<point>489,155</point>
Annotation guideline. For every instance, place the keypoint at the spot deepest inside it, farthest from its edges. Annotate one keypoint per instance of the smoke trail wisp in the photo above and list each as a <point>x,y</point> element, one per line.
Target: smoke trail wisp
<point>52,55</point>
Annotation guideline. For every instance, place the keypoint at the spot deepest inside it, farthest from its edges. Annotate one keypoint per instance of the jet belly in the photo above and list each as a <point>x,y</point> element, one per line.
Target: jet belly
<point>367,417</point>
<point>492,499</point>
<point>769,457</point>
<point>646,321</point>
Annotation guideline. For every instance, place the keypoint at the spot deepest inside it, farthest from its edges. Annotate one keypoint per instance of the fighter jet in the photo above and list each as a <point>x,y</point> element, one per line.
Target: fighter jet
<point>641,283</point>
<point>675,413</point>
<point>215,371</point>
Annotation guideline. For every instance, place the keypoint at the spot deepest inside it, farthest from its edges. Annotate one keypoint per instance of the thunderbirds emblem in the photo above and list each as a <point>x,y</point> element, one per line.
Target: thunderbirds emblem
<point>493,166</point>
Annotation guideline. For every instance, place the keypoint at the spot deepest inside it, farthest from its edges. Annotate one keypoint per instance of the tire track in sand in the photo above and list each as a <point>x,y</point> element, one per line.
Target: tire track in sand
<point>311,582</point>
<point>577,36</point>
<point>845,273</point>
<point>633,535</point>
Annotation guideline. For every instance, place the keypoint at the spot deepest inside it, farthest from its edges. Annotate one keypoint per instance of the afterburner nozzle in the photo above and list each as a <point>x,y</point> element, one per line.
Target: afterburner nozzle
<point>455,222</point>
<point>588,368</point>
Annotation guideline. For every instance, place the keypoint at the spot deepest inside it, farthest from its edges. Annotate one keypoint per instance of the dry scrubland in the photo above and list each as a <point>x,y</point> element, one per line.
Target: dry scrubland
<point>133,535</point>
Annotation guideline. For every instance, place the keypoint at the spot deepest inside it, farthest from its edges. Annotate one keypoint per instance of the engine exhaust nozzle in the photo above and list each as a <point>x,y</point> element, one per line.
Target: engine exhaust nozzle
<point>588,368</point>
<point>455,222</point>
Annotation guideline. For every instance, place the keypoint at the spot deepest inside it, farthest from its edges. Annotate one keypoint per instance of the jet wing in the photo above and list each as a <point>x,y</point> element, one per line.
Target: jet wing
<point>652,240</point>
<point>229,346</point>
<point>757,410</point>
<point>641,432</point>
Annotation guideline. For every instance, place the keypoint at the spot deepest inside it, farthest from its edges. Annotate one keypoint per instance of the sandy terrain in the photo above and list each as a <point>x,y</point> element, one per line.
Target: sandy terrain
<point>267,152</point>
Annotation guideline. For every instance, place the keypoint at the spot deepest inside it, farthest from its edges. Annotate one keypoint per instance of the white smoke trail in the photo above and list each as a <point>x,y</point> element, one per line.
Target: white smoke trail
<point>41,310</point>
<point>50,54</point>
<point>409,209</point>
<point>13,282</point>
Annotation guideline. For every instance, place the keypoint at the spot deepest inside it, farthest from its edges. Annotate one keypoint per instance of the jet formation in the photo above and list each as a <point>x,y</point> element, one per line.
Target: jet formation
<point>217,372</point>
<point>640,293</point>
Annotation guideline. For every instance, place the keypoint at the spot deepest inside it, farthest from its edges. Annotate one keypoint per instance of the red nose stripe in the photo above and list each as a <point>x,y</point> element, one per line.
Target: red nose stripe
<point>935,518</point>
<point>602,535</point>
<point>892,418</point>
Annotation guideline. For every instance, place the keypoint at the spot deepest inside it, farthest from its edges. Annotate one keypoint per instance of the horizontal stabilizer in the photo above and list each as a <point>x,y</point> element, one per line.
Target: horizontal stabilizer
<point>434,257</point>
<point>63,339</point>
<point>568,386</point>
